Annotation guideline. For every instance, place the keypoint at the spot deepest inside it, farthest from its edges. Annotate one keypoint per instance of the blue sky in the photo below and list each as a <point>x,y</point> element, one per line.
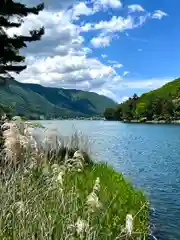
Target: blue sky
<point>113,47</point>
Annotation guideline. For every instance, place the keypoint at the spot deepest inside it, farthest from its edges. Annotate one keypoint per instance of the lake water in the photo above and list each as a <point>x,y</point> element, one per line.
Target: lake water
<point>147,154</point>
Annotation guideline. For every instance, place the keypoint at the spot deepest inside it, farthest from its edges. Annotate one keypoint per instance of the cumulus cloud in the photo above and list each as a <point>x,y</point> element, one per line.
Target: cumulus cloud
<point>81,9</point>
<point>67,71</point>
<point>135,8</point>
<point>101,41</point>
<point>115,24</point>
<point>62,58</point>
<point>109,28</point>
<point>105,4</point>
<point>158,14</point>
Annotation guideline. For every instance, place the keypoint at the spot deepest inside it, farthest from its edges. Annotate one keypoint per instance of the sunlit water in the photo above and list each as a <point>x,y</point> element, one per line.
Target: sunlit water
<point>147,154</point>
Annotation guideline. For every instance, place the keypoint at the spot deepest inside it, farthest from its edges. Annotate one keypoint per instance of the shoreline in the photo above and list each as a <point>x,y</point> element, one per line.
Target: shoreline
<point>152,122</point>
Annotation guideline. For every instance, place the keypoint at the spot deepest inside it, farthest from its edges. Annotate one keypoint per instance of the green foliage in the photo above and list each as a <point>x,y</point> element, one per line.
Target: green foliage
<point>34,101</point>
<point>17,118</point>
<point>161,104</point>
<point>109,113</point>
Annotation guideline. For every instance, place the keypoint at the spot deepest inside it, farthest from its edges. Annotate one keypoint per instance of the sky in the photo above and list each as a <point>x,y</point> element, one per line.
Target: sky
<point>112,47</point>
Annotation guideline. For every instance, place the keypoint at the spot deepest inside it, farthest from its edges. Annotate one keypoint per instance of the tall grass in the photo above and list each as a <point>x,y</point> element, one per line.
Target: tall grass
<point>61,194</point>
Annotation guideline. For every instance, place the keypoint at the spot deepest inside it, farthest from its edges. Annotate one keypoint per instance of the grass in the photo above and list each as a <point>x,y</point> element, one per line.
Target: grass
<point>35,124</point>
<point>75,198</point>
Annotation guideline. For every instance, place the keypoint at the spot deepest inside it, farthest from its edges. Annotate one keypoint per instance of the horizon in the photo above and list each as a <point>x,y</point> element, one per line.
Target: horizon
<point>79,48</point>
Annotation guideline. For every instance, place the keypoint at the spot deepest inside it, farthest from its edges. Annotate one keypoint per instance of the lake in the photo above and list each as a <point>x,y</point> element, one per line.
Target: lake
<point>147,154</point>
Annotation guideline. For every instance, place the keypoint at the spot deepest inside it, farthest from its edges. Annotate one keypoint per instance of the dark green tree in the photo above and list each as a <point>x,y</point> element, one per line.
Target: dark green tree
<point>118,112</point>
<point>10,57</point>
<point>167,109</point>
<point>109,114</point>
<point>128,109</point>
<point>135,97</point>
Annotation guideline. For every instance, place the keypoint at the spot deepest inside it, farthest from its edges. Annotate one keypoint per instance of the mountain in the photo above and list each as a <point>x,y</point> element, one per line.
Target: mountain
<point>160,104</point>
<point>33,100</point>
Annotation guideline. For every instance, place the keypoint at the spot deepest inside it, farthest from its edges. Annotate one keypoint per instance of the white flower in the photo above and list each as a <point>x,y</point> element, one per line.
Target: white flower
<point>97,185</point>
<point>129,224</point>
<point>55,168</point>
<point>60,178</point>
<point>93,201</point>
<point>81,226</point>
<point>20,206</point>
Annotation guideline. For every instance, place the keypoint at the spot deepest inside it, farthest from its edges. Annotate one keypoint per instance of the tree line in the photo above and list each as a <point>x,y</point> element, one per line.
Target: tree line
<point>142,109</point>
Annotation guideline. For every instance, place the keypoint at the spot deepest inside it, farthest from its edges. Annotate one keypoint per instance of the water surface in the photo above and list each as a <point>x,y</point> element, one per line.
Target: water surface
<point>147,154</point>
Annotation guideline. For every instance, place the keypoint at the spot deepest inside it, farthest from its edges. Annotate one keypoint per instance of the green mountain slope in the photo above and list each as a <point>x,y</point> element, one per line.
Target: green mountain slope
<point>160,104</point>
<point>33,100</point>
<point>82,101</point>
<point>171,89</point>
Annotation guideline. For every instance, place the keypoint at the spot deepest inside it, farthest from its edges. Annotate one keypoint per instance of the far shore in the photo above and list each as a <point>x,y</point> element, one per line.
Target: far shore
<point>152,121</point>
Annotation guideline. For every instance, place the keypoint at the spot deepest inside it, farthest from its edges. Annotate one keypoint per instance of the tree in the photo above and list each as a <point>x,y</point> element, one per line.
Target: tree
<point>11,15</point>
<point>141,110</point>
<point>135,97</point>
<point>167,109</point>
<point>109,114</point>
<point>118,114</point>
<point>128,110</point>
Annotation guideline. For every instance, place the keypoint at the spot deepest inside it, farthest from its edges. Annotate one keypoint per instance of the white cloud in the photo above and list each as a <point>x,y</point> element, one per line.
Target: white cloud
<point>104,55</point>
<point>67,71</point>
<point>135,8</point>
<point>81,9</point>
<point>101,41</point>
<point>117,79</point>
<point>115,24</point>
<point>86,27</point>
<point>158,14</point>
<point>123,99</point>
<point>125,73</point>
<point>118,65</point>
<point>140,50</point>
<point>61,58</point>
<point>105,4</point>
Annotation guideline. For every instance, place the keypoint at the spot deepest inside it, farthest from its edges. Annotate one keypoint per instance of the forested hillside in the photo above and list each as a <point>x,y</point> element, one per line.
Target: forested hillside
<point>33,101</point>
<point>160,104</point>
